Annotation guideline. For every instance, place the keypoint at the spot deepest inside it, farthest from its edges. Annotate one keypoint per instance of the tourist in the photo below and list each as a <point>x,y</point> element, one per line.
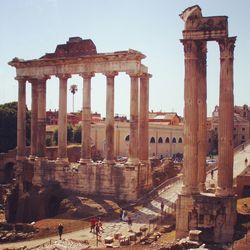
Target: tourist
<point>121,214</point>
<point>212,174</point>
<point>100,225</point>
<point>246,160</point>
<point>125,215</point>
<point>97,231</point>
<point>162,207</point>
<point>60,230</point>
<point>130,224</point>
<point>92,224</point>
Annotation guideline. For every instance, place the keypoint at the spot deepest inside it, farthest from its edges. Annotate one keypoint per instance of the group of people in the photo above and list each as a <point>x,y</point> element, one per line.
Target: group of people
<point>96,227</point>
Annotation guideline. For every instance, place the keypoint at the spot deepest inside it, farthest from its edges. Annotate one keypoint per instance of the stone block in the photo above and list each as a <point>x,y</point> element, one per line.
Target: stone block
<point>108,240</point>
<point>132,237</point>
<point>194,235</point>
<point>124,242</point>
<point>143,228</point>
<point>138,234</point>
<point>117,235</point>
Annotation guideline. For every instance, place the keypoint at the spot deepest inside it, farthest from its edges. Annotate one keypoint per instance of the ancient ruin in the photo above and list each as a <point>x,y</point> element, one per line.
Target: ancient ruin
<point>122,181</point>
<point>213,214</point>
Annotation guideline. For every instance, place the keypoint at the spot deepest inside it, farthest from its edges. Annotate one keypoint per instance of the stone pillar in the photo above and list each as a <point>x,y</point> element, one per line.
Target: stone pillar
<point>41,119</point>
<point>62,119</point>
<point>190,118</point>
<point>226,112</point>
<point>202,114</point>
<point>133,137</point>
<point>109,146</point>
<point>21,119</point>
<point>143,118</point>
<point>86,119</point>
<point>34,111</point>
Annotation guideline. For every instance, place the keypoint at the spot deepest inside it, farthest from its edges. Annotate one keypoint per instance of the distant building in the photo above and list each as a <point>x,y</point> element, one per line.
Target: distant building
<point>241,130</point>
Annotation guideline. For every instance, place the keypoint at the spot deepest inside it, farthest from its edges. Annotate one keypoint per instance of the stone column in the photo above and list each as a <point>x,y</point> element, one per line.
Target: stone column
<point>62,119</point>
<point>21,119</point>
<point>109,146</point>
<point>190,118</point>
<point>133,137</point>
<point>34,111</point>
<point>202,114</point>
<point>143,118</point>
<point>41,119</point>
<point>226,113</point>
<point>86,119</point>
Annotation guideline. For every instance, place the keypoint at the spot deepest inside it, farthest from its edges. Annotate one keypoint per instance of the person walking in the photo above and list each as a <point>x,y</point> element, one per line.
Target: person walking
<point>60,230</point>
<point>92,224</point>
<point>162,207</point>
<point>246,160</point>
<point>130,224</point>
<point>212,174</point>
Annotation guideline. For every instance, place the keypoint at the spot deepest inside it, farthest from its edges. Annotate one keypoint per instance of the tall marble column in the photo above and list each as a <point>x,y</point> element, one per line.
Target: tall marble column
<point>143,117</point>
<point>86,119</point>
<point>21,119</point>
<point>134,133</point>
<point>109,147</point>
<point>41,119</point>
<point>62,119</point>
<point>202,114</point>
<point>190,167</point>
<point>34,111</point>
<point>226,113</point>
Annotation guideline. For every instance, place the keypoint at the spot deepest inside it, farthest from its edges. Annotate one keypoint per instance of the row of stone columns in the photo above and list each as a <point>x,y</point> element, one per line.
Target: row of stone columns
<point>38,118</point>
<point>195,113</point>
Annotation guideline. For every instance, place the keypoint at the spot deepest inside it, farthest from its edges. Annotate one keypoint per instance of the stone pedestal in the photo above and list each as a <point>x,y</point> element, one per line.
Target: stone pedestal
<point>214,216</point>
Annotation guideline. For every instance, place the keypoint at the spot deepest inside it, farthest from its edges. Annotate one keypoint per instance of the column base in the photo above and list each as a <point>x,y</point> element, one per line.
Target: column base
<point>32,157</point>
<point>224,192</point>
<point>62,160</point>
<point>133,161</point>
<point>187,190</point>
<point>85,161</point>
<point>111,162</point>
<point>20,157</point>
<point>202,187</point>
<point>41,158</point>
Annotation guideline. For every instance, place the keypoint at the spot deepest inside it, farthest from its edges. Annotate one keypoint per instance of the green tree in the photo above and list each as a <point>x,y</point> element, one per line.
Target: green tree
<point>8,126</point>
<point>69,134</point>
<point>77,134</point>
<point>73,89</point>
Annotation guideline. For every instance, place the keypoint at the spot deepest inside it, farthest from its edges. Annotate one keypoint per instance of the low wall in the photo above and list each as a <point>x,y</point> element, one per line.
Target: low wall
<point>121,181</point>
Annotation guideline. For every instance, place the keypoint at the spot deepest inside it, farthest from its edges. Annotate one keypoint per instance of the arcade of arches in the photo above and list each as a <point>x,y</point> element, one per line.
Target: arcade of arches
<point>80,57</point>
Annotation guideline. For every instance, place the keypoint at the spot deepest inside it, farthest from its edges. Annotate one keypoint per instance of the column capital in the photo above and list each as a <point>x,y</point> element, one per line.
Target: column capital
<point>21,78</point>
<point>227,47</point>
<point>43,78</point>
<point>87,75</point>
<point>32,80</point>
<point>145,76</point>
<point>110,74</point>
<point>63,76</point>
<point>134,74</point>
<point>190,48</point>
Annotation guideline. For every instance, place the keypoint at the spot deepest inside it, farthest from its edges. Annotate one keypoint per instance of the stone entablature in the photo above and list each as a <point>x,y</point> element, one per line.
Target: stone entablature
<point>79,56</point>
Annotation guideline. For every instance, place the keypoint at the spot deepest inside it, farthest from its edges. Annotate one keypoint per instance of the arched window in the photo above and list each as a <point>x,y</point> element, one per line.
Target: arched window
<point>160,140</point>
<point>167,140</point>
<point>180,140</point>
<point>152,140</point>
<point>127,138</point>
<point>174,140</point>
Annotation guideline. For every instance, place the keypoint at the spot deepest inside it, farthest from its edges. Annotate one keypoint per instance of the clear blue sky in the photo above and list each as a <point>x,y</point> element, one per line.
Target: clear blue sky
<point>31,28</point>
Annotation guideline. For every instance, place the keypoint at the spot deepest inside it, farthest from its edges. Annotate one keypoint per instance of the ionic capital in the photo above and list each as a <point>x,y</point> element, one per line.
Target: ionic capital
<point>110,74</point>
<point>87,75</point>
<point>227,47</point>
<point>63,76</point>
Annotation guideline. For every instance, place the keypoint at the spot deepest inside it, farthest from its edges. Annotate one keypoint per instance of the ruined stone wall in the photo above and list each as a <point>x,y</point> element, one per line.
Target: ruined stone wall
<point>214,216</point>
<point>120,181</point>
